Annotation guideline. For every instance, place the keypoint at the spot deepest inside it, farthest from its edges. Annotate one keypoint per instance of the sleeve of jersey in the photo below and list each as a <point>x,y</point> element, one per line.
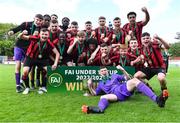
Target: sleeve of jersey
<point>156,45</point>
<point>71,41</point>
<point>19,28</point>
<point>115,58</point>
<point>33,38</point>
<point>55,42</point>
<point>140,24</point>
<point>96,61</point>
<point>121,77</point>
<point>50,45</point>
<point>99,89</point>
<point>125,27</point>
<point>123,36</point>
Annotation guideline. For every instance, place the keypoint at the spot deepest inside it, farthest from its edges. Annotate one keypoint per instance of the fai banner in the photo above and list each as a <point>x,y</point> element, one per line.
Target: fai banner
<point>66,78</point>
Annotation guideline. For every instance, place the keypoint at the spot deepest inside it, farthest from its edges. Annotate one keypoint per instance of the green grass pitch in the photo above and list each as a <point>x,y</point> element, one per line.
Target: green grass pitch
<point>66,107</point>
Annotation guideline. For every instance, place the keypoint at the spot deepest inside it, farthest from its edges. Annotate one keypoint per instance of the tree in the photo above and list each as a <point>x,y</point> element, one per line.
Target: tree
<point>174,50</point>
<point>6,43</point>
<point>6,48</point>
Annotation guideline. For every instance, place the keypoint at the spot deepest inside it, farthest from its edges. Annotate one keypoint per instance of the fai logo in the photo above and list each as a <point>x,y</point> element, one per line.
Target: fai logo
<point>55,79</point>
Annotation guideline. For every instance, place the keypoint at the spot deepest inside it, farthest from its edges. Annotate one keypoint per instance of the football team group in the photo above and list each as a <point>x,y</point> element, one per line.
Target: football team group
<point>45,42</point>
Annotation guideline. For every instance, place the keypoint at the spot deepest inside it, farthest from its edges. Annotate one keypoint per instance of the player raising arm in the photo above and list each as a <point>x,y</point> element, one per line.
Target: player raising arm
<point>37,55</point>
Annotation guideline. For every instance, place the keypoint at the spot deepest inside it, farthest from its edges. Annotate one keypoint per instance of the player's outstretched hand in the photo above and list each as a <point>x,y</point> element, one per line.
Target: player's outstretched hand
<point>24,32</point>
<point>144,9</point>
<point>54,67</point>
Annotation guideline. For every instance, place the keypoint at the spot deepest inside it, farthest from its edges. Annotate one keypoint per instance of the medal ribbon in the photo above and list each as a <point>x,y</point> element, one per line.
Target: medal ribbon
<point>61,49</point>
<point>137,52</point>
<point>43,47</point>
<point>104,32</point>
<point>118,35</point>
<point>87,36</point>
<point>51,37</point>
<point>33,27</point>
<point>80,50</point>
<point>133,30</point>
<point>121,61</point>
<point>146,52</point>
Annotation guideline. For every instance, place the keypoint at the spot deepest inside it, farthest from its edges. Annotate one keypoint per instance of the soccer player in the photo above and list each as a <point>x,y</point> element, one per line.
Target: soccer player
<point>122,58</point>
<point>92,48</point>
<point>154,64</point>
<point>45,24</point>
<point>62,45</point>
<point>54,30</point>
<point>21,46</point>
<point>103,56</point>
<point>54,17</point>
<point>117,87</point>
<point>135,53</point>
<point>77,46</point>
<point>73,29</point>
<point>118,34</point>
<point>88,29</point>
<point>46,20</point>
<point>102,32</point>
<point>136,27</point>
<point>65,24</point>
<point>37,55</point>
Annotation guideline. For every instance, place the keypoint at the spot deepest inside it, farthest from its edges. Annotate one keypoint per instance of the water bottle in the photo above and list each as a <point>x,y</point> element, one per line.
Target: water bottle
<point>110,26</point>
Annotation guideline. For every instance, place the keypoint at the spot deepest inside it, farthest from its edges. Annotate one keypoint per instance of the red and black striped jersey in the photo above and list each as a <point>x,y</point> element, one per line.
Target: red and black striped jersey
<point>136,29</point>
<point>36,47</point>
<point>99,31</point>
<point>153,56</point>
<point>120,36</point>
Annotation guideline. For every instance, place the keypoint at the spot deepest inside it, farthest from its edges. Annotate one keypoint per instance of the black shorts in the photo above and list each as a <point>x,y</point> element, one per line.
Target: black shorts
<point>150,72</point>
<point>35,62</point>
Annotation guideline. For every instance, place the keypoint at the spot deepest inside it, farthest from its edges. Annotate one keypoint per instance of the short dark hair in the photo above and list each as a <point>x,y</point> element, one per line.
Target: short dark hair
<point>47,16</point>
<point>54,21</point>
<point>39,16</point>
<point>131,13</point>
<point>102,67</point>
<point>117,18</point>
<point>88,22</point>
<point>54,15</point>
<point>74,23</point>
<point>65,18</point>
<point>102,17</point>
<point>92,41</point>
<point>62,33</point>
<point>145,34</point>
<point>44,29</point>
<point>103,45</point>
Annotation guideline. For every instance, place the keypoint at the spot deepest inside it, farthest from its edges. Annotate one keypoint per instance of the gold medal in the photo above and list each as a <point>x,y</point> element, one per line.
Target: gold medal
<point>39,56</point>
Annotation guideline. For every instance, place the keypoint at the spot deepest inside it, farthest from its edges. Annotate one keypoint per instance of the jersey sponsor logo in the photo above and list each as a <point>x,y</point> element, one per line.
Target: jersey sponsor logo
<point>55,79</point>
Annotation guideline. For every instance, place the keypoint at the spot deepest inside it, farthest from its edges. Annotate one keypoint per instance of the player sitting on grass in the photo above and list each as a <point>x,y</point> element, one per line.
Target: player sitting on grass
<point>118,88</point>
